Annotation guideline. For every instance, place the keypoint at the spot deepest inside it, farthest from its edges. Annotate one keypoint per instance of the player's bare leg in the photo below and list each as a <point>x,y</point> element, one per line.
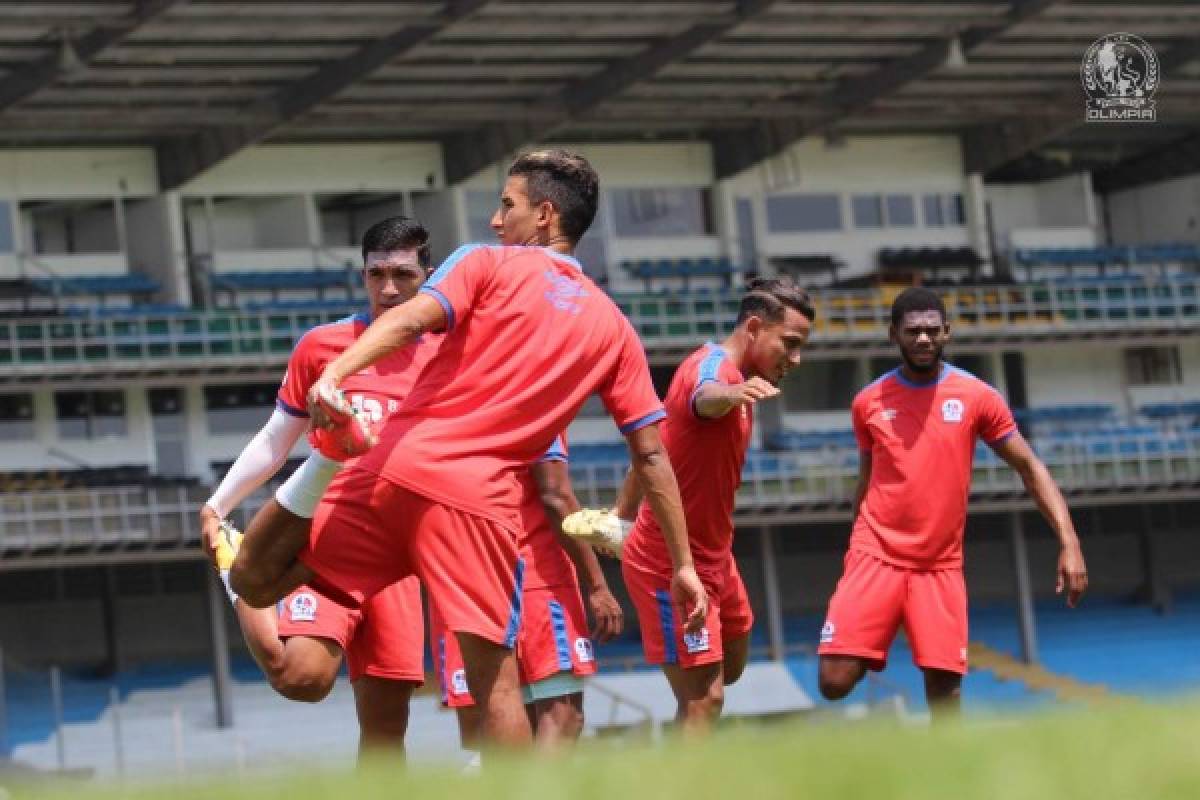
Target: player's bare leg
<point>943,693</point>
<point>470,721</point>
<point>266,569</point>
<point>838,675</point>
<point>495,684</point>
<point>700,692</point>
<point>382,706</point>
<point>557,721</point>
<point>737,653</point>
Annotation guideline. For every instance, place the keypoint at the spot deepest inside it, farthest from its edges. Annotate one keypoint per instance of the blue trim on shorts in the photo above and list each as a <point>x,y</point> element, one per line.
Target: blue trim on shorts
<point>558,621</point>
<point>441,655</point>
<point>667,620</point>
<point>514,617</point>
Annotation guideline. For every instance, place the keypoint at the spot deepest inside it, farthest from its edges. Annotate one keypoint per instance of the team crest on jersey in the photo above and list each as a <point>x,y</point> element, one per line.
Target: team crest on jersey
<point>303,607</point>
<point>458,682</point>
<point>696,642</point>
<point>564,291</point>
<point>827,631</point>
<point>583,650</point>
<point>888,414</point>
<point>952,410</point>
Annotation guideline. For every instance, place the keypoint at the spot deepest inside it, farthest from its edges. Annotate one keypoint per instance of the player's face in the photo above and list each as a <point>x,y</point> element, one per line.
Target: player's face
<point>516,221</point>
<point>775,347</point>
<point>392,277</point>
<point>921,337</point>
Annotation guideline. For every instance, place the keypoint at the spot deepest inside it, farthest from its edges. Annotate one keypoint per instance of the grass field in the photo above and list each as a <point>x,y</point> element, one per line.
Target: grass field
<point>1132,751</point>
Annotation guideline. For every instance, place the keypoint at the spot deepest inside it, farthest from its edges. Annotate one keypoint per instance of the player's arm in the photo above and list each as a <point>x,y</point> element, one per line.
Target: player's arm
<point>630,497</point>
<point>714,399</point>
<point>1072,571</point>
<point>258,462</point>
<point>558,498</point>
<point>653,470</point>
<point>394,329</point>
<point>864,480</point>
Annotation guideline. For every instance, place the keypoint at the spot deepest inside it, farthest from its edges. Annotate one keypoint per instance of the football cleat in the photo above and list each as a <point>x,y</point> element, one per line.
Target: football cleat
<point>602,529</point>
<point>351,433</point>
<point>227,545</point>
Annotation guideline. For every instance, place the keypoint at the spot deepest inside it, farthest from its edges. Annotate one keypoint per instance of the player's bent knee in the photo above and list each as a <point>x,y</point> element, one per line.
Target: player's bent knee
<point>301,682</point>
<point>836,679</point>
<point>733,670</point>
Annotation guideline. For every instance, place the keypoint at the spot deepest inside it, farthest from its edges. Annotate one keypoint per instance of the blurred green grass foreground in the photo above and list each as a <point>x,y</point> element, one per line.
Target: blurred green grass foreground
<point>1147,752</point>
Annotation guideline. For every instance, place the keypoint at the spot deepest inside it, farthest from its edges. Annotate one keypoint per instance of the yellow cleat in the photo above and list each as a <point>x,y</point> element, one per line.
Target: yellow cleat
<point>227,546</point>
<point>602,529</point>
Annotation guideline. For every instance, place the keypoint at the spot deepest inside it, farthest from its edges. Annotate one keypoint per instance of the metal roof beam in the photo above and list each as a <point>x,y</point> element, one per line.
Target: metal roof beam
<point>182,159</point>
<point>990,147</point>
<point>1179,158</point>
<point>466,152</point>
<point>27,81</point>
<point>734,151</point>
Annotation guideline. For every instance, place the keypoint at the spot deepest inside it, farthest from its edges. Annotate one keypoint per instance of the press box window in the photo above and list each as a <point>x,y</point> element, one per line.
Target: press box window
<point>1153,366</point>
<point>239,409</point>
<point>662,212</point>
<point>804,213</point>
<point>90,415</point>
<point>16,417</point>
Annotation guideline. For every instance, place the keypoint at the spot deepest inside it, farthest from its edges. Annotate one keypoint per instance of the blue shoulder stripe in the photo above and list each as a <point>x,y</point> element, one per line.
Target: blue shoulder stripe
<point>450,263</point>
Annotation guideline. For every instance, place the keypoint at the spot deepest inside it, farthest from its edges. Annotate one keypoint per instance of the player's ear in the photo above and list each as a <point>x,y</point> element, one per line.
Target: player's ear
<point>754,324</point>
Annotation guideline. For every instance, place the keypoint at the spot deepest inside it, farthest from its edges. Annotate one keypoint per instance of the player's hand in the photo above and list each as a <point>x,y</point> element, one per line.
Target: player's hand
<point>210,532</point>
<point>322,407</point>
<point>608,620</point>
<point>750,392</point>
<point>1072,573</point>
<point>689,597</point>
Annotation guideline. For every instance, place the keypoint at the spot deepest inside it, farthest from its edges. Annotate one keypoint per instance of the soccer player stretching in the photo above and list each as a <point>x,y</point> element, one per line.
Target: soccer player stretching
<point>916,428</point>
<point>528,338</point>
<point>710,415</point>
<point>300,647</point>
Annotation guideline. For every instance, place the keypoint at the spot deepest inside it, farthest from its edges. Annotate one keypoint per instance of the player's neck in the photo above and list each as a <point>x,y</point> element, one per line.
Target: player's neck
<point>735,346</point>
<point>924,376</point>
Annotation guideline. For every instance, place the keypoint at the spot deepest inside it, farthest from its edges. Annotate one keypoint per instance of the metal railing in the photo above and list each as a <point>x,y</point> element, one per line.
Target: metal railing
<point>86,525</point>
<point>829,477</point>
<point>181,341</point>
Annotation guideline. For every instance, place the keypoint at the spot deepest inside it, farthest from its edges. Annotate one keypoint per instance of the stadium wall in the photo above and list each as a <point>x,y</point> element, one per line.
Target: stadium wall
<point>1160,212</point>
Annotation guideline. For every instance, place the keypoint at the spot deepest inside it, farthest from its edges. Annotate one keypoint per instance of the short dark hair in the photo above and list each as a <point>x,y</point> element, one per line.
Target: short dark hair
<point>397,233</point>
<point>567,181</point>
<point>767,299</point>
<point>916,298</point>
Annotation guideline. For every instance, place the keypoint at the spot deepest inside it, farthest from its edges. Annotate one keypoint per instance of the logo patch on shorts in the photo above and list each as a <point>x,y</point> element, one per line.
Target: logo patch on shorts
<point>827,631</point>
<point>952,410</point>
<point>458,682</point>
<point>583,649</point>
<point>303,607</point>
<point>696,642</point>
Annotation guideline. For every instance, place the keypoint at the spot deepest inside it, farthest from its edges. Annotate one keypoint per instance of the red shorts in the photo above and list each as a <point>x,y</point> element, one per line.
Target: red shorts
<point>663,638</point>
<point>553,639</point>
<point>873,598</point>
<point>368,533</point>
<point>384,638</point>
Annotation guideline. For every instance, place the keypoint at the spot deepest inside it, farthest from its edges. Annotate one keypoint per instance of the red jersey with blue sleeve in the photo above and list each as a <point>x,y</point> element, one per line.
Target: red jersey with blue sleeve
<point>546,563</point>
<point>529,337</point>
<point>707,456</point>
<point>921,439</point>
<point>378,390</point>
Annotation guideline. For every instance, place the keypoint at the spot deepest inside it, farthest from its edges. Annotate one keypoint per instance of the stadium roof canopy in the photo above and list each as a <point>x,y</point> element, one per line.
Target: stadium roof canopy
<point>203,79</point>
